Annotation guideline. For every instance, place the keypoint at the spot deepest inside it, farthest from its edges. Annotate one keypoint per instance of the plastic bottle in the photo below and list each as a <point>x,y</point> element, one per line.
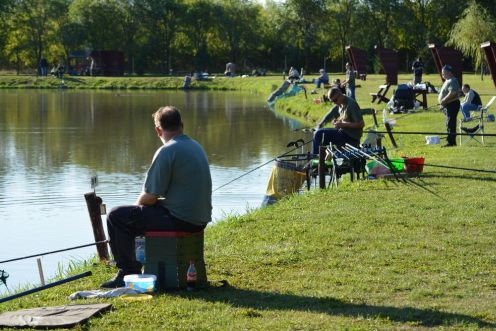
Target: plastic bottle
<point>191,277</point>
<point>140,249</point>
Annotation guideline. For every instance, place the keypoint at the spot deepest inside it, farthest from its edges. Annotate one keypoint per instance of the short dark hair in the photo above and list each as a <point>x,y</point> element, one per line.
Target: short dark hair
<point>168,118</point>
<point>335,91</point>
<point>466,85</point>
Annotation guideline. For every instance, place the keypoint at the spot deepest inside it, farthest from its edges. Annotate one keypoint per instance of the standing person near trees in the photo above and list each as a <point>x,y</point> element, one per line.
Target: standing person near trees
<point>350,81</point>
<point>418,70</point>
<point>176,196</point>
<point>450,104</point>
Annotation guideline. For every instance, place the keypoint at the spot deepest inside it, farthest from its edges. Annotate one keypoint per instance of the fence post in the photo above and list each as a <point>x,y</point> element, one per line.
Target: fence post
<point>93,203</point>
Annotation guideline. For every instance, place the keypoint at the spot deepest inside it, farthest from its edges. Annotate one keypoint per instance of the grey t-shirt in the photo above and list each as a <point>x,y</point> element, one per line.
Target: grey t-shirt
<point>449,86</point>
<point>349,112</point>
<point>180,174</point>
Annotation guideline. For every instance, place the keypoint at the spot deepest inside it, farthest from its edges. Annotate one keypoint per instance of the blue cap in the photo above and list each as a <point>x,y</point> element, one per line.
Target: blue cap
<point>447,67</point>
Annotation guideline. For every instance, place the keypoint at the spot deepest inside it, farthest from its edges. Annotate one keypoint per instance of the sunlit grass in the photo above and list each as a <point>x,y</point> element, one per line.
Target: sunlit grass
<point>369,255</point>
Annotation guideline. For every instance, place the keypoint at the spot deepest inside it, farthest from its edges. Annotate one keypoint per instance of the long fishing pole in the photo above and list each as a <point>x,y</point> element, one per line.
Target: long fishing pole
<point>53,252</point>
<point>44,287</point>
<point>260,166</point>
<point>435,133</point>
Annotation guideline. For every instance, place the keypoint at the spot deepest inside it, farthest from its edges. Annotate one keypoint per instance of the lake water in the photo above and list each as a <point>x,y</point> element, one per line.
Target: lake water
<point>53,142</point>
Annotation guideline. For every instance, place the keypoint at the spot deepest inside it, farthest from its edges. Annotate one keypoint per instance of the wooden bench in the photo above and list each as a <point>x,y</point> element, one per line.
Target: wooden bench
<point>380,96</point>
<point>168,255</point>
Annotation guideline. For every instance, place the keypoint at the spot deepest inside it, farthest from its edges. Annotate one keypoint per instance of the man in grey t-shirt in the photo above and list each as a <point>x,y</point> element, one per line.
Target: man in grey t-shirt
<point>448,99</point>
<point>177,195</point>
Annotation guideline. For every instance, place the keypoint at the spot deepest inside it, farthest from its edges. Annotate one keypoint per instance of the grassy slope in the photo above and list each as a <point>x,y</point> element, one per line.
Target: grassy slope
<point>368,255</point>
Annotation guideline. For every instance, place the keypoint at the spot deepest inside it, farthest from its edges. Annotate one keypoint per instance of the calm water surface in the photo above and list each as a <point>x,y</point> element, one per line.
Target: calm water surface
<point>51,143</point>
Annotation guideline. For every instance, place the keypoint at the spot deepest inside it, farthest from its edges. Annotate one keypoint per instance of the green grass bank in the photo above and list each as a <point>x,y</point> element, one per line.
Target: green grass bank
<point>369,255</point>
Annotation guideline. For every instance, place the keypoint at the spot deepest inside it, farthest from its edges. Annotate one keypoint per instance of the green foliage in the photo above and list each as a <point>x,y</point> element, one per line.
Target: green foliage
<point>474,27</point>
<point>186,35</point>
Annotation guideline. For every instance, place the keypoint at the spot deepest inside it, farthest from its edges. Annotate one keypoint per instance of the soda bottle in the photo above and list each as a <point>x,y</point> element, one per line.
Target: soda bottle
<point>191,277</point>
<point>140,249</point>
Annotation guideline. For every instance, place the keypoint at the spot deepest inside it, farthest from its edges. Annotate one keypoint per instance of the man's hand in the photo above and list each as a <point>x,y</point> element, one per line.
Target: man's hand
<point>146,199</point>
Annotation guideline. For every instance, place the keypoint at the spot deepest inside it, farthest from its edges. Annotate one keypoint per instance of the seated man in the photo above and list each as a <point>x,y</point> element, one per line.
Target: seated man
<point>347,120</point>
<point>472,101</point>
<point>176,196</point>
<point>322,79</point>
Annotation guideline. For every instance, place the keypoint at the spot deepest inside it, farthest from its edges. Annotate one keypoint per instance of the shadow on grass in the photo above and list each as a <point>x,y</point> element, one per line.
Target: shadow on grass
<point>241,298</point>
<point>485,178</point>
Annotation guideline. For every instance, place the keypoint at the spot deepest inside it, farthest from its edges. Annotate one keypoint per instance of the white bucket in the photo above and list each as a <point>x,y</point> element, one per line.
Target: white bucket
<point>141,282</point>
<point>432,140</point>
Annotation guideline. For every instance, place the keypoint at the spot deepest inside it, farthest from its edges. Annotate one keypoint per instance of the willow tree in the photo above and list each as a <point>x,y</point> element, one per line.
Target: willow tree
<point>474,27</point>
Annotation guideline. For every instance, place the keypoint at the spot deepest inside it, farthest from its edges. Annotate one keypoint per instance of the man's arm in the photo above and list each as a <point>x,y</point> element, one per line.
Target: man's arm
<point>333,113</point>
<point>452,95</point>
<point>146,199</point>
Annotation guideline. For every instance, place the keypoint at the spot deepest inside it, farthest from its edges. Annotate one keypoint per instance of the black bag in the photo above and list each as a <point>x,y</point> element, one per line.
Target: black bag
<point>477,99</point>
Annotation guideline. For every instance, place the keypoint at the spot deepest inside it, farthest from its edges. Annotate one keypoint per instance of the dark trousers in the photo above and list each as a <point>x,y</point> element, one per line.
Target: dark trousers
<point>338,137</point>
<point>125,223</point>
<point>451,111</point>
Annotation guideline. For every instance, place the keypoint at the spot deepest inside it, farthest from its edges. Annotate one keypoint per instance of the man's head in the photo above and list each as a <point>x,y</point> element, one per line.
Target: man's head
<point>321,71</point>
<point>168,121</point>
<point>348,65</point>
<point>447,71</point>
<point>465,88</point>
<point>335,95</point>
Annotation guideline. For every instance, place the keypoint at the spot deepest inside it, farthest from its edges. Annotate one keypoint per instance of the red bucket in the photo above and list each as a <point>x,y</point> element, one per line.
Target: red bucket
<point>414,165</point>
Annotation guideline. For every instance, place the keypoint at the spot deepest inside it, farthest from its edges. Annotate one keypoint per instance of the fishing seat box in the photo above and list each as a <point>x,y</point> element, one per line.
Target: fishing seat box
<point>168,255</point>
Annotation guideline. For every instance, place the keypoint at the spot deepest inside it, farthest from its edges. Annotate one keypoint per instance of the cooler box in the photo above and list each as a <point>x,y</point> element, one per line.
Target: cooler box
<point>168,255</point>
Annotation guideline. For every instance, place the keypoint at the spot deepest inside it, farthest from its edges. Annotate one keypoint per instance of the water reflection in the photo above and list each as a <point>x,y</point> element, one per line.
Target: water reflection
<point>52,142</point>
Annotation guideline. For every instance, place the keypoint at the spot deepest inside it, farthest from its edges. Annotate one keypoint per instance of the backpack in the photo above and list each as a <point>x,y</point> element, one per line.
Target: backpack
<point>404,97</point>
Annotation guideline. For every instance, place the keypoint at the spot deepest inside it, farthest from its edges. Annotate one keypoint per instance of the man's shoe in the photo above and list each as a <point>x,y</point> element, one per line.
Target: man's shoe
<point>117,281</point>
<point>448,145</point>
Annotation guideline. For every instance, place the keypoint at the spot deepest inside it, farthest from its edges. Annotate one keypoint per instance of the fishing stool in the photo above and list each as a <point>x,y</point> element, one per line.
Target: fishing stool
<point>168,255</point>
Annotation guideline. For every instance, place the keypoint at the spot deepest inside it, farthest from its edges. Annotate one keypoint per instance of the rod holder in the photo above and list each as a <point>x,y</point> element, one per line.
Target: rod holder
<point>93,203</point>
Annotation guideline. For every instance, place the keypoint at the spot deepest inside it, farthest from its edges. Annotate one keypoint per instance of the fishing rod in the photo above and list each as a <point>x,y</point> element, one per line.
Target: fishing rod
<point>435,133</point>
<point>406,180</point>
<point>260,166</point>
<point>44,287</point>
<point>57,251</point>
<point>459,168</point>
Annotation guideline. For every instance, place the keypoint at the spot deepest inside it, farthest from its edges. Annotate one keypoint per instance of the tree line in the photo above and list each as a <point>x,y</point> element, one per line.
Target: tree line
<point>159,36</point>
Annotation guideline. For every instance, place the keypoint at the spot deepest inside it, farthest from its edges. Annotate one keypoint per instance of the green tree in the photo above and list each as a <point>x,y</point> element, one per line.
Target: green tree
<point>305,17</point>
<point>474,27</point>
<point>32,26</point>
<point>342,23</point>
<point>102,22</point>
<point>161,20</point>
<point>238,28</point>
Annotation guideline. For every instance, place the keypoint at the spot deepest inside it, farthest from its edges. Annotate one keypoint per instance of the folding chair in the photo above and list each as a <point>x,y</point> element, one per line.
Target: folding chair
<point>479,128</point>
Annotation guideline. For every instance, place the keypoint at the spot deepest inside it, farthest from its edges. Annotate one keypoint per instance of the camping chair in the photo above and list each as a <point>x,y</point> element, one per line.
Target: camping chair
<point>380,96</point>
<point>479,128</point>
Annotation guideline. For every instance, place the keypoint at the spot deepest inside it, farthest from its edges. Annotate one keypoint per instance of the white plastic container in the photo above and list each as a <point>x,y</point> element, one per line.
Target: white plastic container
<point>143,283</point>
<point>139,243</point>
<point>432,140</point>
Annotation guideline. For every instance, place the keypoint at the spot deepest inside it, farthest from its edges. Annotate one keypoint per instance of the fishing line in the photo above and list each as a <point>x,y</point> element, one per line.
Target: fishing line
<point>260,166</point>
<point>435,133</point>
<point>460,168</point>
